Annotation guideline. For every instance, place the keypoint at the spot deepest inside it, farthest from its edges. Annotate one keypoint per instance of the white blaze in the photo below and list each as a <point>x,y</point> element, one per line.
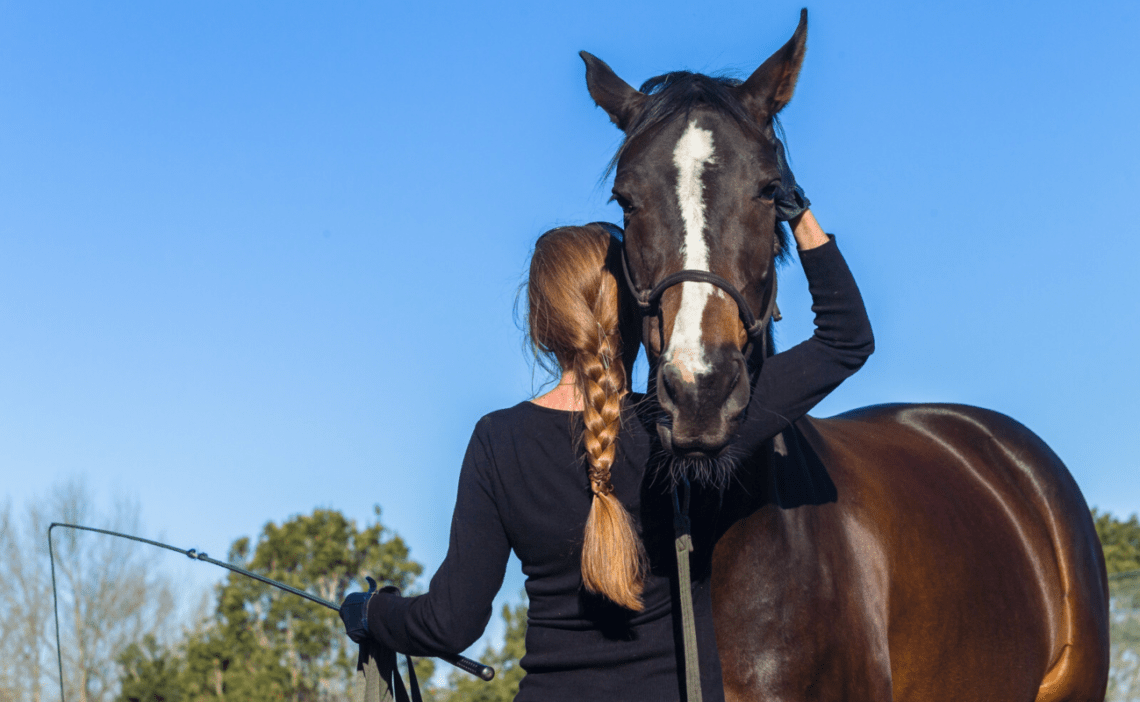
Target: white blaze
<point>693,151</point>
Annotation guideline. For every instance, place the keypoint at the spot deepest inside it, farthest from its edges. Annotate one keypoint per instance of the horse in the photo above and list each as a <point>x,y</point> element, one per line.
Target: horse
<point>905,552</point>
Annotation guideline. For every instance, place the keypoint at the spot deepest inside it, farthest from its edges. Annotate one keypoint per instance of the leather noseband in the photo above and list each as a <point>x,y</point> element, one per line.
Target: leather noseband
<point>650,301</point>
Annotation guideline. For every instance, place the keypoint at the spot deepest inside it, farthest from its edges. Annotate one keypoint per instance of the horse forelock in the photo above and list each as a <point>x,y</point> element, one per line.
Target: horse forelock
<point>673,96</point>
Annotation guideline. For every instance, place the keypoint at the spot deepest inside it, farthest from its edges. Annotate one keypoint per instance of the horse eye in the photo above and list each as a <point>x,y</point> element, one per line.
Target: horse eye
<point>624,203</point>
<point>769,191</point>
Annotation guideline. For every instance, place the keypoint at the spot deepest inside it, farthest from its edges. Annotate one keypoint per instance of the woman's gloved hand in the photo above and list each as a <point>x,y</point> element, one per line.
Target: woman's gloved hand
<point>354,613</point>
<point>790,201</point>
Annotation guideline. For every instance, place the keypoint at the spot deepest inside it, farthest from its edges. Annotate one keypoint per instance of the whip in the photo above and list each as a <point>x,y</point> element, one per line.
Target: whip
<point>476,668</point>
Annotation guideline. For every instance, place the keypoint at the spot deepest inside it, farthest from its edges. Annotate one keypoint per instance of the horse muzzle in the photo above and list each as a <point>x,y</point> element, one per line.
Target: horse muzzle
<point>703,409</point>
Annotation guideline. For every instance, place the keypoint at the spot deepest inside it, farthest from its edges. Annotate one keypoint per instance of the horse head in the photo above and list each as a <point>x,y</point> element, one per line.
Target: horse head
<point>695,177</point>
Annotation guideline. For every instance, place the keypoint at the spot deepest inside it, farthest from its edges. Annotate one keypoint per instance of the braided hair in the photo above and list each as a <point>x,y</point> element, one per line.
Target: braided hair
<point>577,313</point>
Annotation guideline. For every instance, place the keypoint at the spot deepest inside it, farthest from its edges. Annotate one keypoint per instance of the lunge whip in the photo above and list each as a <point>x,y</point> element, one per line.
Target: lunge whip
<point>465,664</point>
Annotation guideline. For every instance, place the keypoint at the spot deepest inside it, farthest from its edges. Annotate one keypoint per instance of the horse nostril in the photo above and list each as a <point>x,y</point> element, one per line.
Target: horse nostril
<point>739,390</point>
<point>669,380</point>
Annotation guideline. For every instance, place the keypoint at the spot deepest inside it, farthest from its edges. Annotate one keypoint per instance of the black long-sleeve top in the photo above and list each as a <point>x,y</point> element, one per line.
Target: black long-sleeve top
<point>523,486</point>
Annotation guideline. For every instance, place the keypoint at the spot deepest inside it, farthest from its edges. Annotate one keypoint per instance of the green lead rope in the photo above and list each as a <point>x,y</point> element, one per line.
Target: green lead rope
<point>682,529</point>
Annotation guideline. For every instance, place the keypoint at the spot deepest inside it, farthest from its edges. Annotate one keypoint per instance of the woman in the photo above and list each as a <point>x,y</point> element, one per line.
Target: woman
<point>559,480</point>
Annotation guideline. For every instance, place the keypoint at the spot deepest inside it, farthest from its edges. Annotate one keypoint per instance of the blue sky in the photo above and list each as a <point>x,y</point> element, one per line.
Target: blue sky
<point>257,258</point>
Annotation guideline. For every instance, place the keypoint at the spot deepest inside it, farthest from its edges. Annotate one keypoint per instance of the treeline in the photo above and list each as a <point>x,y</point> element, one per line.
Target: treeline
<point>111,594</point>
<point>251,642</point>
<point>1120,541</point>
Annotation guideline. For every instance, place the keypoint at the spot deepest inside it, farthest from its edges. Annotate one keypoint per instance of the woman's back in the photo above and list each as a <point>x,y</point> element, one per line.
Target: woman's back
<point>528,460</point>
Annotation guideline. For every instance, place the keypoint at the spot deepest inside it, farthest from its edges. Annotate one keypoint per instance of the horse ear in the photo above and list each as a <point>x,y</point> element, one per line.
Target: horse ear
<point>771,86</point>
<point>620,101</point>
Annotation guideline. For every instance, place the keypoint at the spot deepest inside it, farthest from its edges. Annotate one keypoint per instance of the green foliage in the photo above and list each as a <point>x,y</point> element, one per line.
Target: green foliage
<point>264,644</point>
<point>150,673</point>
<point>466,688</point>
<point>1120,541</point>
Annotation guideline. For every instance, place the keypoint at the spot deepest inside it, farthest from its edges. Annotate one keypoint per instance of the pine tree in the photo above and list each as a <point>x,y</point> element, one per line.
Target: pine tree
<point>505,660</point>
<point>1120,541</point>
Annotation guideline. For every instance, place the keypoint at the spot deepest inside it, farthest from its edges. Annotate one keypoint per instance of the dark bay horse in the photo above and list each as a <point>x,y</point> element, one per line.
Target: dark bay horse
<point>898,552</point>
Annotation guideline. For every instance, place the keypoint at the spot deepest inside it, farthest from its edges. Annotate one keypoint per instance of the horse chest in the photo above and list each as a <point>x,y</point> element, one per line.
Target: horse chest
<point>788,625</point>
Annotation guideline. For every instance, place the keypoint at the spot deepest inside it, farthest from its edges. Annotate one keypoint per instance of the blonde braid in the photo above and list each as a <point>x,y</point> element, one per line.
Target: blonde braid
<point>613,558</point>
<point>573,314</point>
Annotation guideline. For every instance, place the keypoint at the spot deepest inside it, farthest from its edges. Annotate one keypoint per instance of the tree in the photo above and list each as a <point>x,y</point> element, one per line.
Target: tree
<point>1120,541</point>
<point>505,660</point>
<point>262,643</point>
<point>109,595</point>
<point>1124,632</point>
<point>150,673</point>
<point>24,587</point>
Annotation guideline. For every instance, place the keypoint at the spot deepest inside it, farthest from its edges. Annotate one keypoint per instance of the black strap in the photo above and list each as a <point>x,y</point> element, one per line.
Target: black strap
<point>682,528</point>
<point>382,681</point>
<point>649,301</point>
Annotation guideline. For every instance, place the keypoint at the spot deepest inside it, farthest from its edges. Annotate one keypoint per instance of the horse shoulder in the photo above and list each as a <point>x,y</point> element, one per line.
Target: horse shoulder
<point>800,594</point>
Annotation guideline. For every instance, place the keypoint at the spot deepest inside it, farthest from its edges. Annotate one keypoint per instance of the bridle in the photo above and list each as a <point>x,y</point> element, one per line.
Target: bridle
<point>649,301</point>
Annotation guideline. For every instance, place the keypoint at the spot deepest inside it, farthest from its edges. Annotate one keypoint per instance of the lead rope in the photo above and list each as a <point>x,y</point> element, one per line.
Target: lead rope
<point>682,529</point>
<point>382,681</point>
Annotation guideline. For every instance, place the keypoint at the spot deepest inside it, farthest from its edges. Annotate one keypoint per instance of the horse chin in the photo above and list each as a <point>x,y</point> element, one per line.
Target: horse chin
<point>692,450</point>
<point>700,449</point>
<point>703,464</point>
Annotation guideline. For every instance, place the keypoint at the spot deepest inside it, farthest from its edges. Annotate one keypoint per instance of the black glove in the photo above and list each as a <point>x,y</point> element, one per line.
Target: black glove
<point>354,613</point>
<point>790,200</point>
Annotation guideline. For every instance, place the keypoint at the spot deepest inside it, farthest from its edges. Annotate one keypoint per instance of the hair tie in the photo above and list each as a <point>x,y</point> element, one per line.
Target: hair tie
<point>600,489</point>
